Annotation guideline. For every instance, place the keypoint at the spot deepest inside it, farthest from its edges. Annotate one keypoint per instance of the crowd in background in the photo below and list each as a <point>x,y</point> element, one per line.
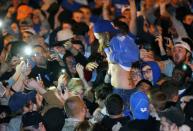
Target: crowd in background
<point>96,65</point>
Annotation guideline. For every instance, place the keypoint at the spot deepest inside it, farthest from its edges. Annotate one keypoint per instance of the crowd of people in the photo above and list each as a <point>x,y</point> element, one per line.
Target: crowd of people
<point>96,65</point>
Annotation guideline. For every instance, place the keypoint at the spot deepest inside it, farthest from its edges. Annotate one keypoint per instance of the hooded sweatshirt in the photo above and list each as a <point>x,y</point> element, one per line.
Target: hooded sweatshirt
<point>156,72</point>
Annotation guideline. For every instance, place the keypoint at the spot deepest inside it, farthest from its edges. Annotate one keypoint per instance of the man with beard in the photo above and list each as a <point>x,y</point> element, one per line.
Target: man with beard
<point>181,53</point>
<point>181,76</point>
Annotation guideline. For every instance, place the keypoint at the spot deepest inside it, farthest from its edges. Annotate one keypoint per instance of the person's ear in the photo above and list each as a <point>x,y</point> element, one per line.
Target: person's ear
<point>188,54</point>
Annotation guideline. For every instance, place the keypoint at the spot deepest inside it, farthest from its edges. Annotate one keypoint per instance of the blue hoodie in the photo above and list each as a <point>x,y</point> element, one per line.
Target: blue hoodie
<point>155,70</point>
<point>124,50</point>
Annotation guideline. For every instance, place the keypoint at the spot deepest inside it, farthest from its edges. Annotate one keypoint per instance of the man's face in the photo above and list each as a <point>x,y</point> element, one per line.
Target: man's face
<point>60,49</point>
<point>79,48</point>
<point>77,16</point>
<point>144,87</point>
<point>36,19</point>
<point>179,55</point>
<point>39,56</point>
<point>188,19</point>
<point>86,13</point>
<point>66,26</point>
<point>147,73</point>
<point>127,15</point>
<point>26,36</point>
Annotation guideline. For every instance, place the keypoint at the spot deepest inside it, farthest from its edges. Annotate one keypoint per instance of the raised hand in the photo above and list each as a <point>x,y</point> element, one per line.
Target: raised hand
<point>80,70</point>
<point>68,45</point>
<point>91,66</point>
<point>62,80</point>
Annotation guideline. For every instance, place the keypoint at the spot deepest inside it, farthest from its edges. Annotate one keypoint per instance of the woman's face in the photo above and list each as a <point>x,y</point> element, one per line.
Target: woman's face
<point>71,63</point>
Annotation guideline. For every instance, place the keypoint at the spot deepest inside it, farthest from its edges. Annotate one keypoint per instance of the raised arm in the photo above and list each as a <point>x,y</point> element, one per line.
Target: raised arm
<point>133,21</point>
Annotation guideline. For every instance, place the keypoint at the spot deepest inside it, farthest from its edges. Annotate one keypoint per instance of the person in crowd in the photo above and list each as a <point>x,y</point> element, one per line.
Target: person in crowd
<point>141,119</point>
<point>114,107</point>
<point>84,126</point>
<point>32,121</point>
<point>145,86</point>
<point>181,53</point>
<point>76,112</point>
<point>54,119</point>
<point>47,71</point>
<point>151,72</point>
<point>181,75</point>
<point>120,59</point>
<point>170,89</point>
<point>173,119</point>
<point>135,73</point>
<point>100,95</point>
<point>140,49</point>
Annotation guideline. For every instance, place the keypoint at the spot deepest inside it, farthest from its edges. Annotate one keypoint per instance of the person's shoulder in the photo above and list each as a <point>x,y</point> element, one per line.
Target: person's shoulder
<point>142,125</point>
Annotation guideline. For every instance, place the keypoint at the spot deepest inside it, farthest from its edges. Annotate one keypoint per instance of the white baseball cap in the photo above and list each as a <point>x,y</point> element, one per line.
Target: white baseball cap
<point>64,35</point>
<point>183,45</point>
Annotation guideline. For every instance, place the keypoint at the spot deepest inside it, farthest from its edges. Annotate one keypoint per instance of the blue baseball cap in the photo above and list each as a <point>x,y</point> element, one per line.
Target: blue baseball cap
<point>103,26</point>
<point>139,105</point>
<point>19,99</point>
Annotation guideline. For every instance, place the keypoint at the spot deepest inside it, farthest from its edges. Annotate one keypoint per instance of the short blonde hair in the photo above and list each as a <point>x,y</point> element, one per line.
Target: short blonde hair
<point>75,85</point>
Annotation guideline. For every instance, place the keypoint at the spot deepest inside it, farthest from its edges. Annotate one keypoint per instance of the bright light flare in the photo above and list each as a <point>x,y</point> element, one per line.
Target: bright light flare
<point>28,50</point>
<point>1,23</point>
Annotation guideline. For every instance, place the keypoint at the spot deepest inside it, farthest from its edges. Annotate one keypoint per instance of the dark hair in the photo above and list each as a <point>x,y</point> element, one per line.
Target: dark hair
<point>99,127</point>
<point>16,49</point>
<point>144,44</point>
<point>181,75</point>
<point>118,18</point>
<point>102,91</point>
<point>158,99</point>
<point>185,69</point>
<point>85,7</point>
<point>164,22</point>
<point>170,89</point>
<point>80,28</point>
<point>139,84</point>
<point>54,119</point>
<point>114,104</point>
<point>77,11</point>
<point>136,65</point>
<point>78,42</point>
<point>65,17</point>
<point>122,27</point>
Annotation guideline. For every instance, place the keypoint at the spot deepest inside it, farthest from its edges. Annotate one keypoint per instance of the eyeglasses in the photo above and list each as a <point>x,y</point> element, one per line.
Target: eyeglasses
<point>147,71</point>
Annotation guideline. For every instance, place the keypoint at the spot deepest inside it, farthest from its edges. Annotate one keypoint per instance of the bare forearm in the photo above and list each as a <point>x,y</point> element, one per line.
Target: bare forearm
<point>132,24</point>
<point>85,83</point>
<point>105,13</point>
